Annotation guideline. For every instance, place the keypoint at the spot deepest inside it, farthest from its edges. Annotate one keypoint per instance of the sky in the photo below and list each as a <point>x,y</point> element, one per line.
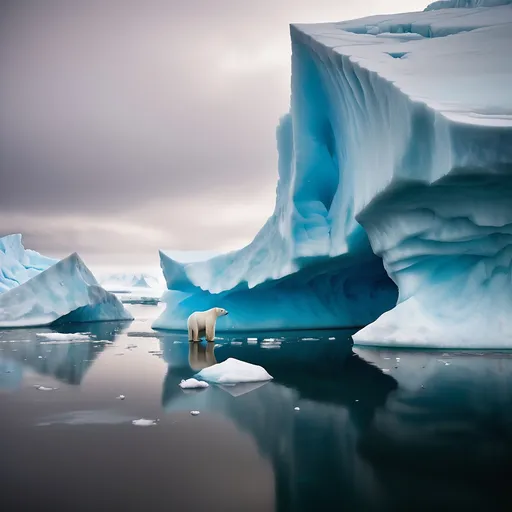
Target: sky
<point>131,126</point>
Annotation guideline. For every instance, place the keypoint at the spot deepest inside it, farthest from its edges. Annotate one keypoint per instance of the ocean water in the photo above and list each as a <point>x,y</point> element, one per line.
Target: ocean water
<point>338,428</point>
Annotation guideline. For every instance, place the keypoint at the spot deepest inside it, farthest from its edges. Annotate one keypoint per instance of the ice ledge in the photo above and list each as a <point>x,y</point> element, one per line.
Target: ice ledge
<point>461,77</point>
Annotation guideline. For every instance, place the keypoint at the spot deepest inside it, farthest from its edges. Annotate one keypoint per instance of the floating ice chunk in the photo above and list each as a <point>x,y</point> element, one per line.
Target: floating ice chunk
<point>331,338</point>
<point>233,371</point>
<point>58,336</point>
<point>142,422</point>
<point>193,384</point>
<point>195,413</point>
<point>44,388</point>
<point>296,408</point>
<point>121,397</point>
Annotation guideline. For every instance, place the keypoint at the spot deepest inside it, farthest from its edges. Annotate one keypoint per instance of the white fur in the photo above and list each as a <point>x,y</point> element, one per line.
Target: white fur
<point>203,322</point>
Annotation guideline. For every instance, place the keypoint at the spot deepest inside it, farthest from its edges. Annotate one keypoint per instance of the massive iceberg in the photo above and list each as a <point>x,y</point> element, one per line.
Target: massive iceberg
<point>394,199</point>
<point>42,292</point>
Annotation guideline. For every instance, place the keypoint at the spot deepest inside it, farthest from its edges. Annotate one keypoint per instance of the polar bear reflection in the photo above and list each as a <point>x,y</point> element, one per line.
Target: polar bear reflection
<point>200,356</point>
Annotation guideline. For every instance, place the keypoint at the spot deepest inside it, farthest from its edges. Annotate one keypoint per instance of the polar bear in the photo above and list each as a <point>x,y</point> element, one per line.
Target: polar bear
<point>203,322</point>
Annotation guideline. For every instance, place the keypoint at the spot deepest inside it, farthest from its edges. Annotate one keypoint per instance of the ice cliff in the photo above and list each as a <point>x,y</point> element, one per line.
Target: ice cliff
<point>395,178</point>
<point>42,291</point>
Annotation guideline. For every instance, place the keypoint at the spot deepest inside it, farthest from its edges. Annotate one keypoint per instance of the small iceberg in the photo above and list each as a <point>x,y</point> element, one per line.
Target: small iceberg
<point>193,384</point>
<point>233,371</point>
<point>44,388</point>
<point>142,422</point>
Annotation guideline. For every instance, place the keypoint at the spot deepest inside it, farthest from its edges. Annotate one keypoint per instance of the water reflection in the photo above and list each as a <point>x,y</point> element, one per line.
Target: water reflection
<point>375,429</point>
<point>447,427</point>
<point>315,450</point>
<point>201,355</point>
<point>66,361</point>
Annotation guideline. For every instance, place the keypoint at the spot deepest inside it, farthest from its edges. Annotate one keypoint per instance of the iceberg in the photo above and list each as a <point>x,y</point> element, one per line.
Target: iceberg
<point>128,282</point>
<point>394,198</point>
<point>66,292</point>
<point>17,264</point>
<point>233,371</point>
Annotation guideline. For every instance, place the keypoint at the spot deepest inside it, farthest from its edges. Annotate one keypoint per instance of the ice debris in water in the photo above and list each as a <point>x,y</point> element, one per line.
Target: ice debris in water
<point>44,388</point>
<point>233,371</point>
<point>142,422</point>
<point>121,397</point>
<point>59,336</point>
<point>195,413</point>
<point>193,383</point>
<point>296,408</point>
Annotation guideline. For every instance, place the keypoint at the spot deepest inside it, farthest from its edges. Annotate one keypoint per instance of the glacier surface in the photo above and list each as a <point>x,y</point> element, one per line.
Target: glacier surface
<point>395,188</point>
<point>66,292</point>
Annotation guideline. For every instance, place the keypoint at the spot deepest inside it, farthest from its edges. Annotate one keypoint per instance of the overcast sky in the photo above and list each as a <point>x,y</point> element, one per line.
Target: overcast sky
<point>129,126</point>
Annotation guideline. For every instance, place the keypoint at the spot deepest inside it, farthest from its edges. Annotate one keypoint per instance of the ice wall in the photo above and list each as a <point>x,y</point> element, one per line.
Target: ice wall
<point>395,160</point>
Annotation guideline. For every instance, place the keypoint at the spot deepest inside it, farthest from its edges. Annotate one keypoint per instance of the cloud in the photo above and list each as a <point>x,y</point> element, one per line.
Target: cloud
<point>128,126</point>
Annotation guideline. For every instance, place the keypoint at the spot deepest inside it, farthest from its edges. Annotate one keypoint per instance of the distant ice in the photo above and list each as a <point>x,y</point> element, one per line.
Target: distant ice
<point>57,336</point>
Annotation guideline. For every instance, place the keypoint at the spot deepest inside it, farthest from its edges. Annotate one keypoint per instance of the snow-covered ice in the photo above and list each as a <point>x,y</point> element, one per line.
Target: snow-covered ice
<point>233,371</point>
<point>193,384</point>
<point>395,187</point>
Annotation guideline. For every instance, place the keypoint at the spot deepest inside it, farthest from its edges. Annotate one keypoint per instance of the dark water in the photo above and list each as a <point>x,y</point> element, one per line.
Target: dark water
<point>433,432</point>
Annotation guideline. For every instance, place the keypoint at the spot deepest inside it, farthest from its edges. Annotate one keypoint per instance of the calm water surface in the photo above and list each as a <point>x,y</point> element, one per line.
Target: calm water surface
<point>376,430</point>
